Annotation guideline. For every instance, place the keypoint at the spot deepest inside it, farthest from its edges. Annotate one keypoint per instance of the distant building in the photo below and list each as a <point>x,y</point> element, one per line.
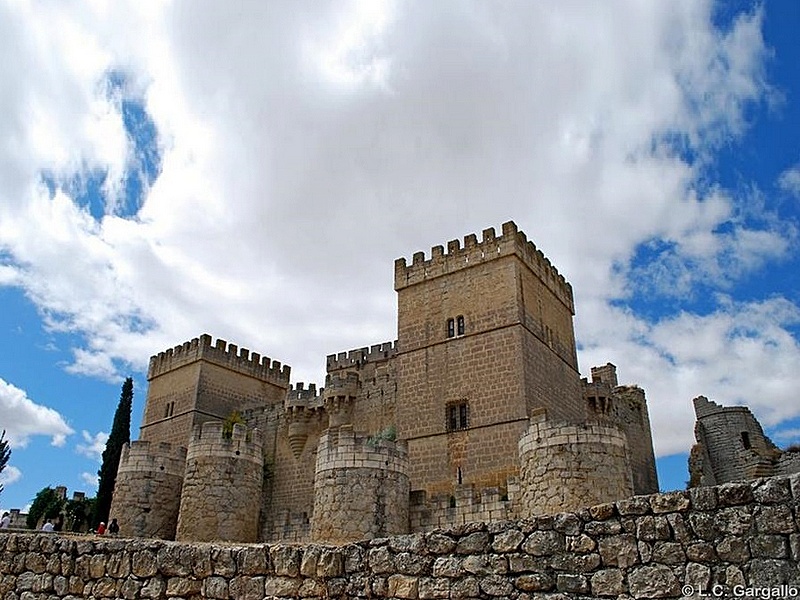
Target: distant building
<point>731,446</point>
<point>477,412</point>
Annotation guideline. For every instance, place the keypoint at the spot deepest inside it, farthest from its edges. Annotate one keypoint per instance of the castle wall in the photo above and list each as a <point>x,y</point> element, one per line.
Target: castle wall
<point>564,466</point>
<point>291,482</point>
<point>147,490</point>
<point>631,415</point>
<point>734,541</point>
<point>360,488</point>
<point>466,504</point>
<point>222,485</point>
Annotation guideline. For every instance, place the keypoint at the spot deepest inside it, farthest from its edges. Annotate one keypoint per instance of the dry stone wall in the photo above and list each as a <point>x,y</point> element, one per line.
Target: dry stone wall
<point>735,540</point>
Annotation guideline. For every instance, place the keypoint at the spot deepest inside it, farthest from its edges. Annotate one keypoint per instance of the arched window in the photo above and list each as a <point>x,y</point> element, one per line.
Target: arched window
<point>460,325</point>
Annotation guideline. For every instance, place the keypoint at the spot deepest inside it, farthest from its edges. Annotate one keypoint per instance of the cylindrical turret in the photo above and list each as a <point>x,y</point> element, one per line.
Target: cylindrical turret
<point>222,487</point>
<point>147,491</point>
<point>565,467</point>
<point>361,487</point>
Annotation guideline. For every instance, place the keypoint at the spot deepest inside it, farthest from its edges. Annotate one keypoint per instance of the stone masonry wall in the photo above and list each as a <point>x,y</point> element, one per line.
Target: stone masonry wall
<point>688,544</point>
<point>147,492</point>
<point>222,486</point>
<point>563,467</point>
<point>360,488</point>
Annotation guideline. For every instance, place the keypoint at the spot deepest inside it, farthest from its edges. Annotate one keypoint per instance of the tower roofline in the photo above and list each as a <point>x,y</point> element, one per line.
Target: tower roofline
<point>223,354</point>
<point>491,247</point>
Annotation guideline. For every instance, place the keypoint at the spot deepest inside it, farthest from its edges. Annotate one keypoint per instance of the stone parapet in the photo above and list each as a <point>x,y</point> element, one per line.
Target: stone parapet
<point>359,356</point>
<point>223,354</point>
<point>724,542</point>
<point>491,247</point>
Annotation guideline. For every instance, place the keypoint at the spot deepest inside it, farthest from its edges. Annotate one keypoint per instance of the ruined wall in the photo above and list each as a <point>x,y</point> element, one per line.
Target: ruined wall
<point>147,491</point>
<point>360,487</point>
<point>222,485</point>
<point>568,466</point>
<point>720,542</point>
<point>732,443</point>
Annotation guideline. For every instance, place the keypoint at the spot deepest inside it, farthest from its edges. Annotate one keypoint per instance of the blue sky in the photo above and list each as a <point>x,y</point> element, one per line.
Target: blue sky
<point>254,173</point>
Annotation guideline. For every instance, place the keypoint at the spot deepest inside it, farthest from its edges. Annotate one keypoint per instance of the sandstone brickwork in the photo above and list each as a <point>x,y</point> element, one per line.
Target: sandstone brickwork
<point>738,540</point>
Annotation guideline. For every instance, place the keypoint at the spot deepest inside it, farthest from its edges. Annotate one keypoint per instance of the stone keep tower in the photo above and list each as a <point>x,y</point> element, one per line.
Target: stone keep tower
<point>485,337</point>
<point>197,382</point>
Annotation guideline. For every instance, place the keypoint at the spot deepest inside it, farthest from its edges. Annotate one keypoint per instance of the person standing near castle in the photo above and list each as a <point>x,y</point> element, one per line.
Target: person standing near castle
<point>48,526</point>
<point>113,527</point>
<point>5,522</point>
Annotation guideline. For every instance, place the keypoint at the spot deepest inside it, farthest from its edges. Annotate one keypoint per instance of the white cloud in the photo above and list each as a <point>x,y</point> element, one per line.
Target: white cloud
<point>23,418</point>
<point>789,180</point>
<point>10,475</point>
<point>305,146</point>
<point>91,480</point>
<point>94,445</point>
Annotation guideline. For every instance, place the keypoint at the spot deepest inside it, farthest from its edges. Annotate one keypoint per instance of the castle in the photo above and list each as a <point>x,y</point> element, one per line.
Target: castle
<point>477,412</point>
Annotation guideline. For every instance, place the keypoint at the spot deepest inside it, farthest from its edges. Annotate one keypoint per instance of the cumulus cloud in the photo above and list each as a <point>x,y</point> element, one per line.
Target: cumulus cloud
<point>303,147</point>
<point>93,445</point>
<point>10,475</point>
<point>23,418</point>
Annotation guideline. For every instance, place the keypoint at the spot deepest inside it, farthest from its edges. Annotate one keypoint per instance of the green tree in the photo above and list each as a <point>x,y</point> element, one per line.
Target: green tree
<point>5,454</point>
<point>78,513</point>
<point>119,436</point>
<point>46,505</point>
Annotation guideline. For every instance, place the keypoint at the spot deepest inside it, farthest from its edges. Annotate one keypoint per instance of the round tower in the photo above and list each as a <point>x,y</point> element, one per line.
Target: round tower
<point>147,491</point>
<point>564,467</point>
<point>222,487</point>
<point>361,487</point>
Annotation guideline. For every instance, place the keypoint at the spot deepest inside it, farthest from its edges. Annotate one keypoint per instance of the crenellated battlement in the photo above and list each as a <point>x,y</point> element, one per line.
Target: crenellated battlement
<point>491,247</point>
<point>145,456</point>
<point>359,356</point>
<point>298,395</point>
<point>211,439</point>
<point>341,447</point>
<point>345,384</point>
<point>223,354</point>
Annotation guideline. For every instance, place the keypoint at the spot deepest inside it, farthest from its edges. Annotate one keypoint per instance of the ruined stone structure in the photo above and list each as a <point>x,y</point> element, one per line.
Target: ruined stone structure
<point>731,446</point>
<point>738,540</point>
<point>454,422</point>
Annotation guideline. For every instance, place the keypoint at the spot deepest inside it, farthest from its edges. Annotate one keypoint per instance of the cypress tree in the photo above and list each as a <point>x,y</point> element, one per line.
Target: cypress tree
<point>119,436</point>
<point>5,454</point>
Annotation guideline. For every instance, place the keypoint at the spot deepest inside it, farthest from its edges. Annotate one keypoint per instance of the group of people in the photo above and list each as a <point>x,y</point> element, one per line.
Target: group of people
<point>112,529</point>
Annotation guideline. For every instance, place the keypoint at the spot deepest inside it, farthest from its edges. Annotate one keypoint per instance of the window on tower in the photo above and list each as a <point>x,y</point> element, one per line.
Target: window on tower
<point>457,416</point>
